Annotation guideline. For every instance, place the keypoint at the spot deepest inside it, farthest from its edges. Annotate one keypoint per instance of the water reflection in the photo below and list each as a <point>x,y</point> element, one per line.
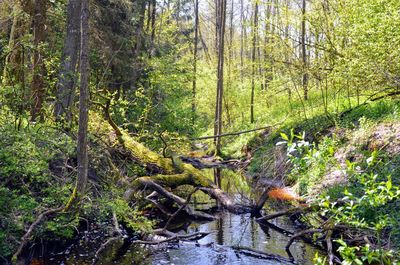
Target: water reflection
<point>235,230</point>
<point>228,229</point>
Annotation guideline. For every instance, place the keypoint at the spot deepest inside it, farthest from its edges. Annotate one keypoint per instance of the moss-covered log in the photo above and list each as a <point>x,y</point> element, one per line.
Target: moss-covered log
<point>170,172</point>
<point>176,173</point>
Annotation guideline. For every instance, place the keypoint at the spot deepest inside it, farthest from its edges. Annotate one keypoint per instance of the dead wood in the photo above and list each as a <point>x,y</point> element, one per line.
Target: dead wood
<point>174,238</point>
<point>27,236</point>
<point>148,183</point>
<point>260,254</point>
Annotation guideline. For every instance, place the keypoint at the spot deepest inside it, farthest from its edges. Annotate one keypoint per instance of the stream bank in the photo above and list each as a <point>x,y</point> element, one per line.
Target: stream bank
<point>234,239</point>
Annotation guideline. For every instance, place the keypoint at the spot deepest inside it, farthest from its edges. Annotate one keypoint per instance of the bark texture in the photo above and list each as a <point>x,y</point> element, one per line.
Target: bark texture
<point>67,75</point>
<point>83,101</point>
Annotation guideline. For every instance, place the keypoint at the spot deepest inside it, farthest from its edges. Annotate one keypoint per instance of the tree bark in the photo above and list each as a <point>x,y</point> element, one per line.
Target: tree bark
<point>195,44</point>
<point>83,102</point>
<point>241,40</point>
<point>221,18</point>
<point>304,50</point>
<point>38,69</point>
<point>139,38</point>
<point>11,41</point>
<point>253,59</point>
<point>67,76</point>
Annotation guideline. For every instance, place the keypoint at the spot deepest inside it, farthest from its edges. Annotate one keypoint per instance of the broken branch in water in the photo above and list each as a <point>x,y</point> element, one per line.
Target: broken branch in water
<point>183,206</point>
<point>260,254</point>
<point>174,237</point>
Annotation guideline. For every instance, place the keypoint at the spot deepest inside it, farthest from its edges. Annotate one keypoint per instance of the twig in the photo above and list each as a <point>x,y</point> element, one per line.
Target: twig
<point>233,133</point>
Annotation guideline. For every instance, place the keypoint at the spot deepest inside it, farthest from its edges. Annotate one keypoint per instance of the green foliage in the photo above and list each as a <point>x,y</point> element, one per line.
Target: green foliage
<point>131,217</point>
<point>309,161</point>
<point>27,186</point>
<point>367,202</point>
<point>369,207</point>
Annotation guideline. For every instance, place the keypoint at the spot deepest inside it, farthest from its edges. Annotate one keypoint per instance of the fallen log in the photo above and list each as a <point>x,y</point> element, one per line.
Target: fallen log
<point>260,254</point>
<point>149,183</point>
<point>170,172</point>
<point>174,238</point>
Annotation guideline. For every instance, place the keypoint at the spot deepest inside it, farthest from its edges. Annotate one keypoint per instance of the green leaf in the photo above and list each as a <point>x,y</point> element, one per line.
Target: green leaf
<point>284,136</point>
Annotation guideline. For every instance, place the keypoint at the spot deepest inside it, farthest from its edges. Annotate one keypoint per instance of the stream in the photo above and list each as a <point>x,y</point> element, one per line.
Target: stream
<point>228,231</point>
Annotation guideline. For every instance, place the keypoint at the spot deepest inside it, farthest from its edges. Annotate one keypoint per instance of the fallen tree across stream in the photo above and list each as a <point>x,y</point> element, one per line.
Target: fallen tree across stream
<point>169,173</point>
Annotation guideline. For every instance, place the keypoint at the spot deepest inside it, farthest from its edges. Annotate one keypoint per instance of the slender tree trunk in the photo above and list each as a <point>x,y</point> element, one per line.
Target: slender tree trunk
<point>67,76</point>
<point>195,44</point>
<point>253,59</point>
<point>230,61</point>
<point>39,36</point>
<point>241,40</point>
<point>220,73</point>
<point>303,50</point>
<point>11,41</point>
<point>153,26</point>
<point>141,5</point>
<point>83,101</point>
<point>267,31</point>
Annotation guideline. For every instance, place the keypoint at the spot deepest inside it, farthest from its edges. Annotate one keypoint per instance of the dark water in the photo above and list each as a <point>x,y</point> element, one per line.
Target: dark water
<point>218,248</point>
<point>235,230</point>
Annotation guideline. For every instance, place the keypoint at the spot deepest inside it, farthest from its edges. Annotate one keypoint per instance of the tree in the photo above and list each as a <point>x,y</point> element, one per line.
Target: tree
<point>83,101</point>
<point>304,50</point>
<point>39,71</point>
<point>253,59</point>
<point>221,18</point>
<point>67,75</point>
<point>195,44</point>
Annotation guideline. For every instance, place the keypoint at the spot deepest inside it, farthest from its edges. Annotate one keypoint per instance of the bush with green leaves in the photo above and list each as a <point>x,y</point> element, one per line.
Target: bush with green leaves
<point>368,211</point>
<point>309,160</point>
<point>28,187</point>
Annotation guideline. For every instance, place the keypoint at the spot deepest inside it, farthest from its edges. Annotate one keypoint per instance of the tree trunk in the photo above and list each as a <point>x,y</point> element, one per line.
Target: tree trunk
<point>153,26</point>
<point>11,41</point>
<point>220,73</point>
<point>267,58</point>
<point>241,40</point>
<point>196,40</point>
<point>253,59</point>
<point>139,38</point>
<point>303,50</point>
<point>83,101</point>
<point>39,36</point>
<point>67,76</point>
